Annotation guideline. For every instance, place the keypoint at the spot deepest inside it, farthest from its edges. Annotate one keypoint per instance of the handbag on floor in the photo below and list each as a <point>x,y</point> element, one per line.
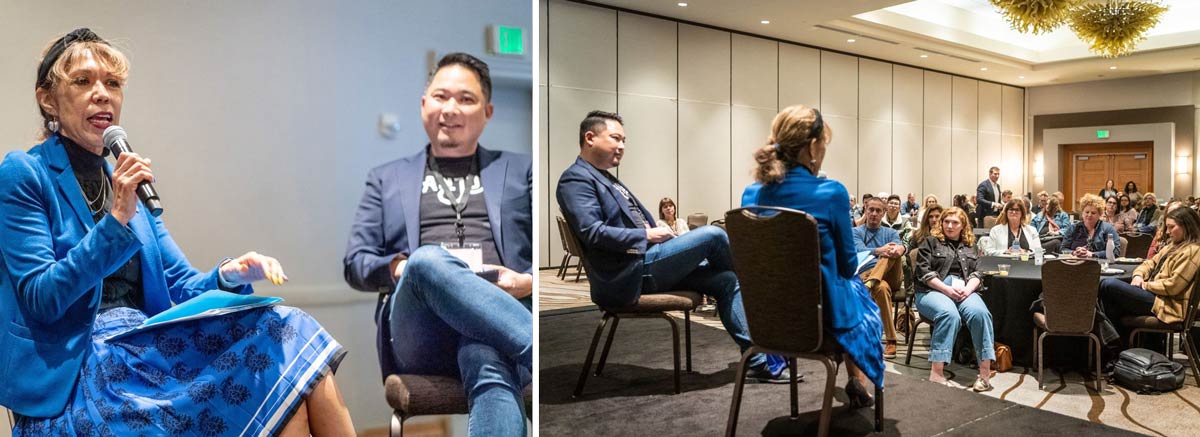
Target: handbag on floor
<point>1147,371</point>
<point>1003,358</point>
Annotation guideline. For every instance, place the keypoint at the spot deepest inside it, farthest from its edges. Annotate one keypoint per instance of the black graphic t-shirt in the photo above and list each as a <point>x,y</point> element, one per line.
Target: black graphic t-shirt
<point>437,207</point>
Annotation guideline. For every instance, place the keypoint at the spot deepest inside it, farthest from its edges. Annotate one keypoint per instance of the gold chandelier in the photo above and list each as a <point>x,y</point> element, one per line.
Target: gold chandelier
<point>1037,16</point>
<point>1114,28</point>
<point>1111,28</point>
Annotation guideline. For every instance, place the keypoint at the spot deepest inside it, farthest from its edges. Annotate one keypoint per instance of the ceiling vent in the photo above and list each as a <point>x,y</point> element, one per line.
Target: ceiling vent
<point>856,35</point>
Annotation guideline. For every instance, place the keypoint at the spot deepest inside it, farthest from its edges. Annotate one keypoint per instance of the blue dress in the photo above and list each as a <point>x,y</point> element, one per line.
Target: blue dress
<point>850,314</point>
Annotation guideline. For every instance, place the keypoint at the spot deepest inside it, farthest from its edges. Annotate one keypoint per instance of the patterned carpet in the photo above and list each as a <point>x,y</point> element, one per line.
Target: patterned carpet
<point>1172,414</point>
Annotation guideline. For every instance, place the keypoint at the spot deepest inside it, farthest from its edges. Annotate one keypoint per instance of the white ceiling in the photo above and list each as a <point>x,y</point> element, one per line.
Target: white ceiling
<point>957,36</point>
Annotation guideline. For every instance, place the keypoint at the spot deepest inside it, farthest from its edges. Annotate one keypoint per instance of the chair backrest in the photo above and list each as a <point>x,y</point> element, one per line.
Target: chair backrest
<point>989,221</point>
<point>696,220</point>
<point>1192,312</point>
<point>777,258</point>
<point>1136,245</point>
<point>1069,288</point>
<point>563,232</point>
<point>1124,244</point>
<point>570,242</point>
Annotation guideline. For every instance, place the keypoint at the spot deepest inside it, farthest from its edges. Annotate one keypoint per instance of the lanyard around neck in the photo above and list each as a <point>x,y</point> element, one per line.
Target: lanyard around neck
<point>458,203</point>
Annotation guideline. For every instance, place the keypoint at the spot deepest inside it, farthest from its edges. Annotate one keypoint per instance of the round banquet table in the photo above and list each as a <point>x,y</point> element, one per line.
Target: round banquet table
<point>1009,297</point>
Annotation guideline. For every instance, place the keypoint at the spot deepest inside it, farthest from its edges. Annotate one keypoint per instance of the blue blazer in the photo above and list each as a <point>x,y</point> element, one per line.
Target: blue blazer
<point>984,198</point>
<point>55,259</point>
<point>388,220</point>
<point>613,247</point>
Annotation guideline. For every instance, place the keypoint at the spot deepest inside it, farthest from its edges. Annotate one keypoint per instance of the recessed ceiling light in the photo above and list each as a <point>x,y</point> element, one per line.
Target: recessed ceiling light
<point>682,4</point>
<point>1114,67</point>
<point>765,21</point>
<point>1020,77</point>
<point>924,56</point>
<point>982,68</point>
<point>850,40</point>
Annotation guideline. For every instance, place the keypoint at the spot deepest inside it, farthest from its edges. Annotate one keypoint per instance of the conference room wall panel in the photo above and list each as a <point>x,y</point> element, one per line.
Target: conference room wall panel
<point>569,107</point>
<point>908,95</point>
<point>839,84</point>
<point>874,90</point>
<point>896,128</point>
<point>750,128</point>
<point>704,65</point>
<point>641,66</point>
<point>704,157</point>
<point>1012,176</point>
<point>964,156</point>
<point>799,76</point>
<point>875,154</point>
<point>755,69</point>
<point>937,99</point>
<point>841,159</point>
<point>544,202</point>
<point>649,167</point>
<point>579,36</point>
<point>937,172</point>
<point>907,159</point>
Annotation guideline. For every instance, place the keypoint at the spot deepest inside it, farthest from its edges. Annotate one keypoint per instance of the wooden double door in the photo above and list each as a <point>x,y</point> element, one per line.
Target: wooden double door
<point>1086,167</point>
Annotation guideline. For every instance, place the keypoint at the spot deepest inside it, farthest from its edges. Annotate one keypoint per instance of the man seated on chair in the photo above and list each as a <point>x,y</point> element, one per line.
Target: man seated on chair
<point>885,275</point>
<point>626,256</point>
<point>462,312</point>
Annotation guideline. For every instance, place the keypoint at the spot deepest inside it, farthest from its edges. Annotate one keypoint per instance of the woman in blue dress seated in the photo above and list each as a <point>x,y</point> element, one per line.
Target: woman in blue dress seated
<point>83,262</point>
<point>787,177</point>
<point>1088,238</point>
<point>947,281</point>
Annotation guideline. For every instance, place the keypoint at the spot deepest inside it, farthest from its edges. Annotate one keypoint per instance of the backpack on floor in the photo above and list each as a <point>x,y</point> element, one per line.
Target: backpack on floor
<point>1147,371</point>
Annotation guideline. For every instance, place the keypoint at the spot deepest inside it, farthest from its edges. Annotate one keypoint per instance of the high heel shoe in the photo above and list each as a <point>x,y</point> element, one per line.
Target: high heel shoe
<point>859,398</point>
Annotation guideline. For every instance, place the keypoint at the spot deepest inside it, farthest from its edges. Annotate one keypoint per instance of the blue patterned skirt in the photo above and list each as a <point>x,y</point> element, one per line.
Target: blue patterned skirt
<point>243,373</point>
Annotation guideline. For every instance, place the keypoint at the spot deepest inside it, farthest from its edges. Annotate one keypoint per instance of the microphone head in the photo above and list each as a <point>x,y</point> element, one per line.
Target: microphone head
<point>112,134</point>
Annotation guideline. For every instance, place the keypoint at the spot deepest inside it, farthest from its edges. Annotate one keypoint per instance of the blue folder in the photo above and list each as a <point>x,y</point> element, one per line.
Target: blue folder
<point>211,303</point>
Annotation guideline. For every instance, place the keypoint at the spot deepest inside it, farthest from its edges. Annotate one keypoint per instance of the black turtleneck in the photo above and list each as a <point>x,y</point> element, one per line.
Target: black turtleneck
<point>123,288</point>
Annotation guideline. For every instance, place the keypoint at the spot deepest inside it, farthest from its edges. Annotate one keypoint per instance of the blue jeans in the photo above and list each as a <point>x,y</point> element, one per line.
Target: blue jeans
<point>948,315</point>
<point>675,264</point>
<point>447,321</point>
<point>1121,299</point>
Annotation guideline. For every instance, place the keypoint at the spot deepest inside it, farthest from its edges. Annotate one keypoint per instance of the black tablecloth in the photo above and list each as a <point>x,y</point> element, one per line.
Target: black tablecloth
<point>1009,298</point>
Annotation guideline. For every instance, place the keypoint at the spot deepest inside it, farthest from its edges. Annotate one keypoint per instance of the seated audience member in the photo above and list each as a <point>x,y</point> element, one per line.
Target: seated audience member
<point>626,257</point>
<point>437,316</point>
<point>1052,220</point>
<point>1128,211</point>
<point>1161,238</point>
<point>1109,190</point>
<point>1113,216</point>
<point>911,206</point>
<point>1087,238</point>
<point>861,213</point>
<point>886,274</point>
<point>1131,190</point>
<point>1012,233</point>
<point>1043,199</point>
<point>1161,284</point>
<point>1005,197</point>
<point>786,176</point>
<point>946,285</point>
<point>929,201</point>
<point>855,211</point>
<point>895,220</point>
<point>667,217</point>
<point>931,220</point>
<point>1148,214</point>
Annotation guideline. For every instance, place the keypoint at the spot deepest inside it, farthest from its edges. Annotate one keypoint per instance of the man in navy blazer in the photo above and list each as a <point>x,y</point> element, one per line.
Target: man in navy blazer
<point>626,255</point>
<point>466,314</point>
<point>988,196</point>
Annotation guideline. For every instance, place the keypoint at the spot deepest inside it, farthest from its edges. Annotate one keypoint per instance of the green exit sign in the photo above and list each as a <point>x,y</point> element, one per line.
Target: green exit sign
<point>507,40</point>
<point>1102,134</point>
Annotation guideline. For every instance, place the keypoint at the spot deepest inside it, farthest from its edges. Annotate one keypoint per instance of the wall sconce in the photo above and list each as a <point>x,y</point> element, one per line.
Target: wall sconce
<point>1039,170</point>
<point>1183,165</point>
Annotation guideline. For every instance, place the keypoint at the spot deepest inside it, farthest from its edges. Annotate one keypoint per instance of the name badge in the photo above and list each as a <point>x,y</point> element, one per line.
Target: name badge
<point>470,253</point>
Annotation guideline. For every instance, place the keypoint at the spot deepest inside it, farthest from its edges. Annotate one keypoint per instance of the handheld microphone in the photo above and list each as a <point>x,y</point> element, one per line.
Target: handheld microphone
<point>117,141</point>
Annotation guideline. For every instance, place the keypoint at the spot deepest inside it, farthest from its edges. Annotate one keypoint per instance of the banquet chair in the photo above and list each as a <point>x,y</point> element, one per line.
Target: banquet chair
<point>696,220</point>
<point>1065,284</point>
<point>1137,246</point>
<point>989,221</point>
<point>1142,324</point>
<point>777,258</point>
<point>571,248</point>
<point>421,395</point>
<point>1124,244</point>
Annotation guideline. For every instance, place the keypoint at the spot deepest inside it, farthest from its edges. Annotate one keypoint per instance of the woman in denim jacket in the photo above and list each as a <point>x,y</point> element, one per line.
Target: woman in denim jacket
<point>1088,238</point>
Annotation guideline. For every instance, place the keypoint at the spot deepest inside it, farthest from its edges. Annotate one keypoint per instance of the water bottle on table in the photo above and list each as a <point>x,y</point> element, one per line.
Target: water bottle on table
<point>1108,252</point>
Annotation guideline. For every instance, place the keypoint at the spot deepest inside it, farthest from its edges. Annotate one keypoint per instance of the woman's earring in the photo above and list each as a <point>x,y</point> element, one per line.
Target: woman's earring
<point>52,126</point>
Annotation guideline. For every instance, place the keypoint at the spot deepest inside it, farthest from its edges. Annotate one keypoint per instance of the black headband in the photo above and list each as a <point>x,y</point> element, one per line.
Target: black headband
<point>82,34</point>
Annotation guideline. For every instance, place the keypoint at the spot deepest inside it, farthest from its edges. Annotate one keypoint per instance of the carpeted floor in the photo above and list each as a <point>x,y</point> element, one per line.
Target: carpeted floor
<point>633,397</point>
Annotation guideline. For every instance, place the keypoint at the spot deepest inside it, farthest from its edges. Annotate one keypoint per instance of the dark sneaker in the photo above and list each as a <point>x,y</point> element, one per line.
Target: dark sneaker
<point>762,374</point>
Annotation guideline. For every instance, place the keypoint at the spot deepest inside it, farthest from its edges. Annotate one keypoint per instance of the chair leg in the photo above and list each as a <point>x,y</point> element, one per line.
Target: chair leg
<point>397,428</point>
<point>607,344</point>
<point>736,404</point>
<point>1193,359</point>
<point>562,267</point>
<point>1170,345</point>
<point>1099,378</point>
<point>587,362</point>
<point>878,409</point>
<point>578,270</point>
<point>1040,355</point>
<point>793,381</point>
<point>687,338</point>
<point>827,403</point>
<point>912,338</point>
<point>675,349</point>
<point>1133,338</point>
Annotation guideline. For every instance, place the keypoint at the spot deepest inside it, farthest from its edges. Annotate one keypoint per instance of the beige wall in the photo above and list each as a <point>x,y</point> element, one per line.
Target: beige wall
<point>697,101</point>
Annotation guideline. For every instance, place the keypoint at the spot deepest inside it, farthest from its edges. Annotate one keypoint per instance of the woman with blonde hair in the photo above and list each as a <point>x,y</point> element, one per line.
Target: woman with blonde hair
<point>1088,238</point>
<point>786,175</point>
<point>1012,233</point>
<point>947,278</point>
